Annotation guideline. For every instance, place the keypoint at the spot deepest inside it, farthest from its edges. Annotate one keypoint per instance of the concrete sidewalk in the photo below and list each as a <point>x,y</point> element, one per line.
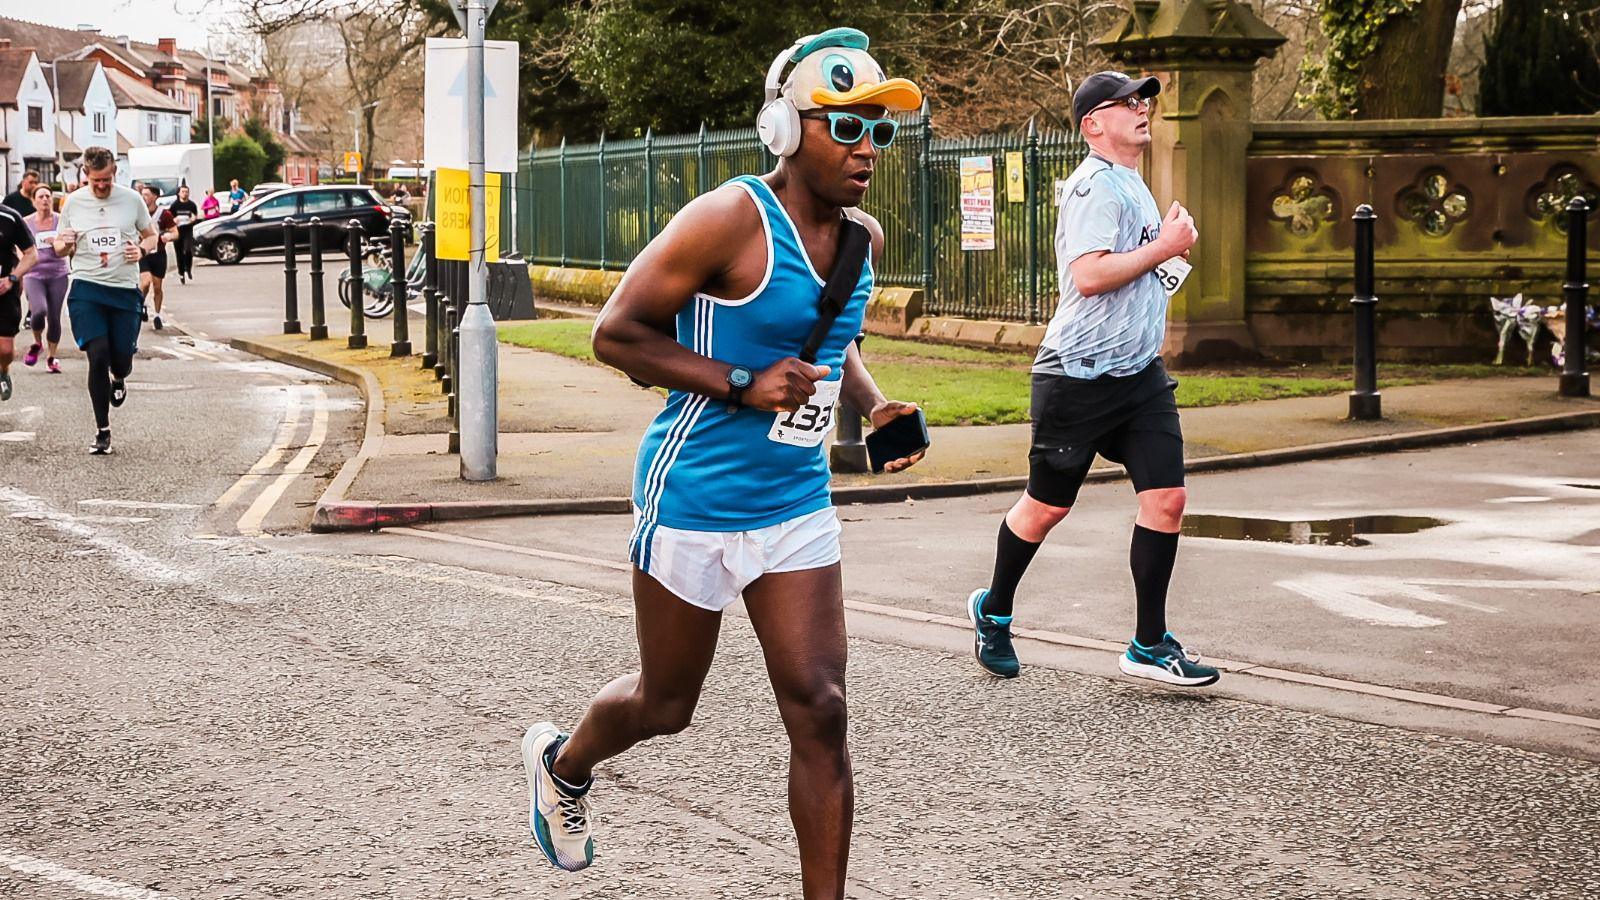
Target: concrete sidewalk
<point>570,430</point>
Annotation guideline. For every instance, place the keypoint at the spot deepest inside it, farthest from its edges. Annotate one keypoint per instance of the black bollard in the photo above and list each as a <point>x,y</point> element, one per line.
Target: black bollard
<point>455,379</point>
<point>1365,401</point>
<point>1575,372</point>
<point>447,301</point>
<point>291,279</point>
<point>401,345</point>
<point>319,314</point>
<point>357,286</point>
<point>430,298</point>
<point>849,452</point>
<point>447,354</point>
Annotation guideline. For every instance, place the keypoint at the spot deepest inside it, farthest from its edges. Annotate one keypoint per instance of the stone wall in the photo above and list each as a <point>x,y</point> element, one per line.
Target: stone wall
<point>1466,210</point>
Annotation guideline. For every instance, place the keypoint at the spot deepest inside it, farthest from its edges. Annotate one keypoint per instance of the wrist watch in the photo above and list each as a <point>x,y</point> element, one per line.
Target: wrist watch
<point>739,378</point>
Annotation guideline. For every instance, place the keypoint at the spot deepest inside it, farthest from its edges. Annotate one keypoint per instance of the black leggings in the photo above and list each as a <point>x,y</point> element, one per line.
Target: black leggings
<point>186,252</point>
<point>104,365</point>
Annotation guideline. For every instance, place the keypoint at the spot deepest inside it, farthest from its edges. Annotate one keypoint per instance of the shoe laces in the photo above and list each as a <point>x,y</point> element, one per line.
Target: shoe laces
<point>996,636</point>
<point>574,814</point>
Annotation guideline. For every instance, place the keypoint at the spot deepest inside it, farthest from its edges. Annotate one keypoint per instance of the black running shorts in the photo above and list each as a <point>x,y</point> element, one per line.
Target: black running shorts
<point>11,311</point>
<point>155,263</point>
<point>1128,419</point>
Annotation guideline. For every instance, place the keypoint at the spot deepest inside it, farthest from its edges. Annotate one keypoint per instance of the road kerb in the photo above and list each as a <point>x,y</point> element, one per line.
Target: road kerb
<point>335,513</point>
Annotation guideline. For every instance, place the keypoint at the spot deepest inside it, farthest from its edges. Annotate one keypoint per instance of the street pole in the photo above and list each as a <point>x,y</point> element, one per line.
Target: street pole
<point>1575,370</point>
<point>479,365</point>
<point>210,133</point>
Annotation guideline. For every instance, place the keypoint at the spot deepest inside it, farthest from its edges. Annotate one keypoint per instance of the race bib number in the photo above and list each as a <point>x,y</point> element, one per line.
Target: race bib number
<point>106,243</point>
<point>1172,274</point>
<point>184,219</point>
<point>808,425</point>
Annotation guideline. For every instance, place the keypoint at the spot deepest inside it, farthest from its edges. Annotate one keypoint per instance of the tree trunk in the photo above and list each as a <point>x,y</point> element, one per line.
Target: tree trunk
<point>1404,77</point>
<point>370,126</point>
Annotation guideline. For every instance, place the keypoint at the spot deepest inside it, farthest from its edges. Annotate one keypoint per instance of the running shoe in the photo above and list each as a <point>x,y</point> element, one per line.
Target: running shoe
<point>102,443</point>
<point>5,385</point>
<point>53,364</point>
<point>32,355</point>
<point>991,642</point>
<point>119,391</point>
<point>157,322</point>
<point>1167,662</point>
<point>559,820</point>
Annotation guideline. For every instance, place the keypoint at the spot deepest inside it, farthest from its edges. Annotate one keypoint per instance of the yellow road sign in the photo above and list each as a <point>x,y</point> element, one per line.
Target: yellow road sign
<point>352,161</point>
<point>453,215</point>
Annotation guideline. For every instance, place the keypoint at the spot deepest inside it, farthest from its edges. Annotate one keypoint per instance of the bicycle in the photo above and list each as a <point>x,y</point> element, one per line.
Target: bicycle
<point>377,289</point>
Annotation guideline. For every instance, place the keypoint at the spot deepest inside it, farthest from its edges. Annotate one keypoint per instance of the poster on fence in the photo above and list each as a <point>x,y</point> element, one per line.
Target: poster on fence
<point>977,203</point>
<point>1016,188</point>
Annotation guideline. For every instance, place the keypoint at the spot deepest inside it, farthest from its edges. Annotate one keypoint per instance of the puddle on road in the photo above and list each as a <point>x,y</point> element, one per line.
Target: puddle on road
<point>1345,532</point>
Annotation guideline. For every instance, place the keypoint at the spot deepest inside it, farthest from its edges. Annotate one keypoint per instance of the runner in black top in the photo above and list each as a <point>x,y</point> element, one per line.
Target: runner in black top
<point>186,213</point>
<point>17,256</point>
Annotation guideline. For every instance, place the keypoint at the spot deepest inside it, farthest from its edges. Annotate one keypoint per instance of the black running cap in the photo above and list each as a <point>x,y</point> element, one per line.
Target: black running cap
<point>1104,86</point>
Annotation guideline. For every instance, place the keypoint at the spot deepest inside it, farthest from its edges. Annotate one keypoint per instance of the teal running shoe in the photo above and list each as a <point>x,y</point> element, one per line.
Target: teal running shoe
<point>991,642</point>
<point>1168,663</point>
<point>559,820</point>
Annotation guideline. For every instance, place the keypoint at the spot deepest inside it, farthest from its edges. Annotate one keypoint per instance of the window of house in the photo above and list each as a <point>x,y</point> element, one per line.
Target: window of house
<point>178,137</point>
<point>216,107</point>
<point>99,123</point>
<point>35,118</point>
<point>151,126</point>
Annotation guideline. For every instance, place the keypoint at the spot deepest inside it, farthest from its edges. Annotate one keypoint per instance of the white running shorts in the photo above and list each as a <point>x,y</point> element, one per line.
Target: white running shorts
<point>710,569</point>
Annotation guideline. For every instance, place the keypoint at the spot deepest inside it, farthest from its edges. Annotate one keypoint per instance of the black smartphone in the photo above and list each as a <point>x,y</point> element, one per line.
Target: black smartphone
<point>903,437</point>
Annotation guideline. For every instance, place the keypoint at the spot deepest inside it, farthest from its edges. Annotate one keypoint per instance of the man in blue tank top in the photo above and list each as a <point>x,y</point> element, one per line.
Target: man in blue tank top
<point>731,488</point>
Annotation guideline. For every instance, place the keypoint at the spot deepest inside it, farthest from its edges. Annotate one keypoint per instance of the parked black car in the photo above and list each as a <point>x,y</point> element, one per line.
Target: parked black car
<point>228,239</point>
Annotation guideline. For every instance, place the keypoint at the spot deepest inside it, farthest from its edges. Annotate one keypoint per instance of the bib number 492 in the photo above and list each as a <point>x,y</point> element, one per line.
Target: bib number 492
<point>808,425</point>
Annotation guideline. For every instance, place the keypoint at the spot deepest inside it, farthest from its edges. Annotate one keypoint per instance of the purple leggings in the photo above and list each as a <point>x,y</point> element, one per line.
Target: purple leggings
<point>46,294</point>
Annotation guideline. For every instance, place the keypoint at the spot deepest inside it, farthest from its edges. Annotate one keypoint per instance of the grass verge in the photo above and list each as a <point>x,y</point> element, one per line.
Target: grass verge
<point>965,386</point>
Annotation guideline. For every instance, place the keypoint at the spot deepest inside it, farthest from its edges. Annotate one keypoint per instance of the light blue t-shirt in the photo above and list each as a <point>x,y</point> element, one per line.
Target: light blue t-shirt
<point>1104,206</point>
<point>704,468</point>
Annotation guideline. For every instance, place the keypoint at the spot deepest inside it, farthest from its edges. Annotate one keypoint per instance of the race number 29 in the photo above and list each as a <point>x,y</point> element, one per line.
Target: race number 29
<point>808,425</point>
<point>1172,274</point>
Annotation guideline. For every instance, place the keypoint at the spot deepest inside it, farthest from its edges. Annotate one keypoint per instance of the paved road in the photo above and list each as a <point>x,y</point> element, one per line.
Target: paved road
<point>188,711</point>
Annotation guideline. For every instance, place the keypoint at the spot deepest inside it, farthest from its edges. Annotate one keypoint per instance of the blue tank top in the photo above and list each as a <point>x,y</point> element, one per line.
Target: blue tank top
<point>703,468</point>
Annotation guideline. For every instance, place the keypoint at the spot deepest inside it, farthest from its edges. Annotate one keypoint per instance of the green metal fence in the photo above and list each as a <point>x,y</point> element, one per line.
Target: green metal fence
<point>597,205</point>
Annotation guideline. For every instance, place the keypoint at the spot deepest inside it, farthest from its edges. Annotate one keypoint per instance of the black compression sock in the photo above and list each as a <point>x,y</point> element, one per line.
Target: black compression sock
<point>1151,555</point>
<point>1011,558</point>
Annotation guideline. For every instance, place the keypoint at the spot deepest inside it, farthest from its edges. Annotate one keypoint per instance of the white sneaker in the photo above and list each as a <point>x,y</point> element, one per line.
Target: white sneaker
<point>560,823</point>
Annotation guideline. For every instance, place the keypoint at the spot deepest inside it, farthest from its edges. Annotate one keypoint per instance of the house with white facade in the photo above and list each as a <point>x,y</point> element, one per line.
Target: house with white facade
<point>146,116</point>
<point>28,133</point>
<point>86,106</point>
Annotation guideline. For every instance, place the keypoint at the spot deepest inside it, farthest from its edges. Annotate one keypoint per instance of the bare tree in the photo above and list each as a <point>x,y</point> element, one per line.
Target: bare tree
<point>991,65</point>
<point>333,58</point>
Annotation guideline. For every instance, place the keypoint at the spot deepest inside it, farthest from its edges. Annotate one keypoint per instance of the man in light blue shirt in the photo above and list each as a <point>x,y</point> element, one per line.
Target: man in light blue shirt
<point>1099,386</point>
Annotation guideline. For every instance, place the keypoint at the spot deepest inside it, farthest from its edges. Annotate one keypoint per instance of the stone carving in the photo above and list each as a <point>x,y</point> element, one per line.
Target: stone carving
<point>1433,204</point>
<point>1302,205</point>
<point>1550,197</point>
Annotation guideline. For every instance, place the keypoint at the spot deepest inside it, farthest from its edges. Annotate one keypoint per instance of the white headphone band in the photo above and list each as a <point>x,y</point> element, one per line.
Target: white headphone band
<point>774,84</point>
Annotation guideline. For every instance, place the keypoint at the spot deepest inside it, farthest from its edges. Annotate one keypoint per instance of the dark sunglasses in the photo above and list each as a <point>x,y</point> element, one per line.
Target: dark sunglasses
<point>849,128</point>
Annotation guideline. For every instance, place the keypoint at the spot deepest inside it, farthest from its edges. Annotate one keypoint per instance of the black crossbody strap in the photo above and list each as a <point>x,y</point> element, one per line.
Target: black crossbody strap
<point>854,242</point>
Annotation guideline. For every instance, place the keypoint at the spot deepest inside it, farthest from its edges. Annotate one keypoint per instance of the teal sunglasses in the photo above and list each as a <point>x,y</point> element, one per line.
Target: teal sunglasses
<point>849,128</point>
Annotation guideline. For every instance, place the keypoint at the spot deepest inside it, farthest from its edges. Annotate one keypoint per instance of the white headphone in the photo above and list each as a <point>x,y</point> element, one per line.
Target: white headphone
<point>778,125</point>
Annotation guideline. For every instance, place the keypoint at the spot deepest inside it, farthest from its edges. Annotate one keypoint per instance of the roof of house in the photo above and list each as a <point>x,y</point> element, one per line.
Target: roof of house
<point>72,80</point>
<point>123,145</point>
<point>131,93</point>
<point>65,145</point>
<point>13,65</point>
<point>53,42</point>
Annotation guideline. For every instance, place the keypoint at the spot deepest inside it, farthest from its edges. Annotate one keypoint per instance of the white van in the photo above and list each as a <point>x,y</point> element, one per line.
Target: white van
<point>167,166</point>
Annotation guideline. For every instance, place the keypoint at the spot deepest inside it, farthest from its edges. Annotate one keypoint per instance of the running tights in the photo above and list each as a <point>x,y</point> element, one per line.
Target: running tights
<point>45,298</point>
<point>104,365</point>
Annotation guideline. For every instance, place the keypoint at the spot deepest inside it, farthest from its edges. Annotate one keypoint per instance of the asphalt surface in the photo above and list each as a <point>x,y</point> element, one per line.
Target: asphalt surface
<point>187,711</point>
